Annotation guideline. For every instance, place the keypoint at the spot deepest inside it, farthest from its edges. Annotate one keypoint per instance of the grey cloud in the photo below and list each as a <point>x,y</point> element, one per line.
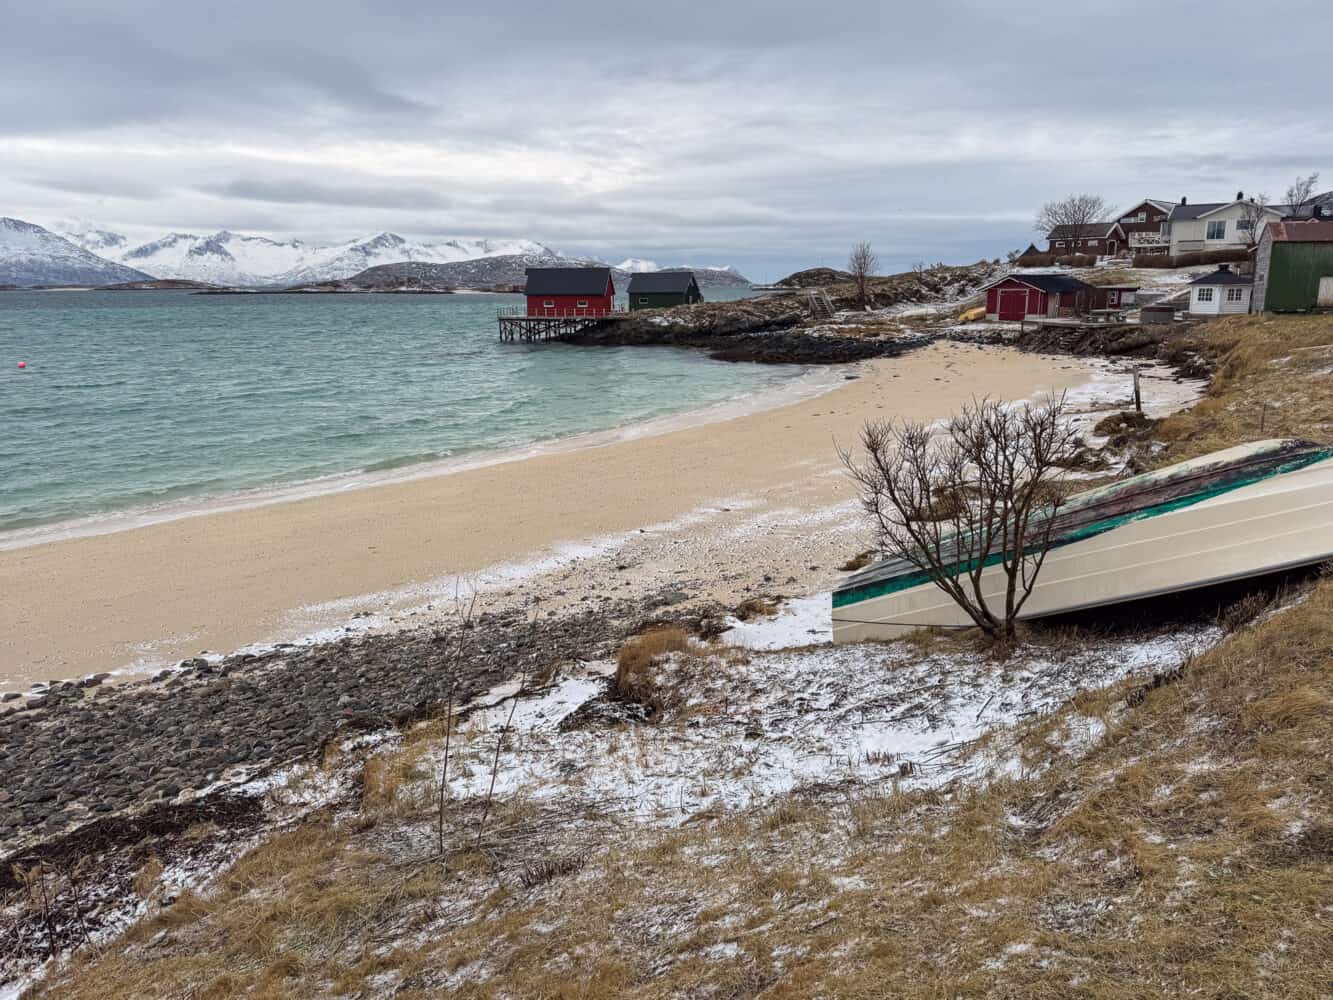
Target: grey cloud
<point>738,130</point>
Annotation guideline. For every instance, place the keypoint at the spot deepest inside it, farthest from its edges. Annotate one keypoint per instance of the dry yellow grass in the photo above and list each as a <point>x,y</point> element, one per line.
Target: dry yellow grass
<point>638,657</point>
<point>1274,379</point>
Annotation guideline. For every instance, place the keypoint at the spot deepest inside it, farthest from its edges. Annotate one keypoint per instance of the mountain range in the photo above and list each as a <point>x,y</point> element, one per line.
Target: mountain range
<point>87,254</point>
<point>498,271</point>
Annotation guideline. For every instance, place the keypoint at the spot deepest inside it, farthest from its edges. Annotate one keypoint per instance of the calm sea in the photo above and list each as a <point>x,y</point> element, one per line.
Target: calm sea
<point>132,400</point>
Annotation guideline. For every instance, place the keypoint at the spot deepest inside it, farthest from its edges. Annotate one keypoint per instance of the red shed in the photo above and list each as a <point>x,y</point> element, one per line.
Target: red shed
<point>1023,296</point>
<point>570,291</point>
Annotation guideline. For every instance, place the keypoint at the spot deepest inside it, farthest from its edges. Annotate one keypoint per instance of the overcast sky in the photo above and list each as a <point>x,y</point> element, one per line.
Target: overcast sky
<point>765,135</point>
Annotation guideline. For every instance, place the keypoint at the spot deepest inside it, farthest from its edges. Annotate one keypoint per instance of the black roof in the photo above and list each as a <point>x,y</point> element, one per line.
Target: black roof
<point>1184,213</point>
<point>1051,282</point>
<point>661,281</point>
<point>1223,276</point>
<point>1088,230</point>
<point>568,280</point>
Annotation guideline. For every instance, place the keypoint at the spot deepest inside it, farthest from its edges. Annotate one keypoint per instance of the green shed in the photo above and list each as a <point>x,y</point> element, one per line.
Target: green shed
<point>657,289</point>
<point>1293,267</point>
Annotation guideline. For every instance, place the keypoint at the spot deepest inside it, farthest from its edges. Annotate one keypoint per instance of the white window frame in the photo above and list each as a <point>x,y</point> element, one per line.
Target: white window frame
<point>1059,243</point>
<point>1208,233</point>
<point>1203,295</point>
<point>582,303</point>
<point>643,300</point>
<point>1235,295</point>
<point>548,304</point>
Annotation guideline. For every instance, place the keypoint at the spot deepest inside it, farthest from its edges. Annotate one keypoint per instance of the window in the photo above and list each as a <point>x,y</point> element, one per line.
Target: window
<point>1235,295</point>
<point>643,300</point>
<point>583,303</point>
<point>1203,295</point>
<point>1217,230</point>
<point>1244,223</point>
<point>549,304</point>
<point>1059,243</point>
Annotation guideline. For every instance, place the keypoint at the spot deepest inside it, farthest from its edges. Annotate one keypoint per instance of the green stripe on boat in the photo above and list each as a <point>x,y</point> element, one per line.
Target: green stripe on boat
<point>855,595</point>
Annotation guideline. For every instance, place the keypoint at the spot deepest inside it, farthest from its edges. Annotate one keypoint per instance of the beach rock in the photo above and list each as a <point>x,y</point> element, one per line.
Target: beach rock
<point>144,742</point>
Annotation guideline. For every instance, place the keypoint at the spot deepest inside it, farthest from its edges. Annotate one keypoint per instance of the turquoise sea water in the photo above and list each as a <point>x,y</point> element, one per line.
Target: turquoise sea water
<point>136,399</point>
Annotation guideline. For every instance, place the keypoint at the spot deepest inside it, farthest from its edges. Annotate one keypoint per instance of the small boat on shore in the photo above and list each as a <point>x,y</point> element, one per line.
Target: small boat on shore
<point>1244,512</point>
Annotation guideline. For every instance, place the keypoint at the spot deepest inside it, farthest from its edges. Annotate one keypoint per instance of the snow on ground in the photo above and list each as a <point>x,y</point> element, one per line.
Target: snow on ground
<point>805,621</point>
<point>742,726</point>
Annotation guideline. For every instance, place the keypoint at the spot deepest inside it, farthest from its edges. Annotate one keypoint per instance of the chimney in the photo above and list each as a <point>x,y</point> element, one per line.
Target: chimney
<point>1317,212</point>
<point>1223,268</point>
<point>1183,200</point>
<point>1240,195</point>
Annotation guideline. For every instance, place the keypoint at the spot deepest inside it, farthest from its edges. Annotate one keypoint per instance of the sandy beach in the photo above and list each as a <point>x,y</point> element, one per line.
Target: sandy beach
<point>760,493</point>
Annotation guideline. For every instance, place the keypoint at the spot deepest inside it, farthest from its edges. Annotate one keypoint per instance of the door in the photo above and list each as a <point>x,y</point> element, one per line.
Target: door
<point>1013,303</point>
<point>1325,299</point>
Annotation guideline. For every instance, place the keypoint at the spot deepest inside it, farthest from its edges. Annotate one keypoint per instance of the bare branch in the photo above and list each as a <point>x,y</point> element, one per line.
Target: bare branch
<point>972,498</point>
<point>862,265</point>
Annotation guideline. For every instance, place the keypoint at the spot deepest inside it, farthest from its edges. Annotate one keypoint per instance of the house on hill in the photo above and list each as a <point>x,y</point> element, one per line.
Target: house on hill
<point>1031,257</point>
<point>569,291</point>
<point>1142,226</point>
<point>1293,267</point>
<point>1215,225</point>
<point>658,289</point>
<point>1032,296</point>
<point>1221,293</point>
<point>1099,239</point>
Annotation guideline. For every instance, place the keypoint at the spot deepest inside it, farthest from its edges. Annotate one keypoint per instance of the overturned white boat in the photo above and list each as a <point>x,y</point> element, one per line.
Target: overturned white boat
<point>1244,512</point>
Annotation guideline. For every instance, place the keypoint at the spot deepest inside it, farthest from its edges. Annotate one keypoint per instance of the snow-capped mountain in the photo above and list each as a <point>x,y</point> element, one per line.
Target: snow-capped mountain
<point>704,275</point>
<point>31,255</point>
<point>637,265</point>
<point>227,258</point>
<point>99,241</point>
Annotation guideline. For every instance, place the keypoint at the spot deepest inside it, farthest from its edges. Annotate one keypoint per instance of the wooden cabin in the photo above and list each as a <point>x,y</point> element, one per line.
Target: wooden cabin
<point>569,291</point>
<point>1032,296</point>
<point>659,289</point>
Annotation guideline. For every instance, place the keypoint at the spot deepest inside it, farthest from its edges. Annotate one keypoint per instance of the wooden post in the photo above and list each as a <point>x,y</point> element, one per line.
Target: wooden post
<point>1138,396</point>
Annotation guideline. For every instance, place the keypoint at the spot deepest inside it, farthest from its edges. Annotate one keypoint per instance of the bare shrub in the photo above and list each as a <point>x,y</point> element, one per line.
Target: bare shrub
<point>862,264</point>
<point>999,464</point>
<point>757,607</point>
<point>859,561</point>
<point>1076,260</point>
<point>634,666</point>
<point>1242,612</point>
<point>146,879</point>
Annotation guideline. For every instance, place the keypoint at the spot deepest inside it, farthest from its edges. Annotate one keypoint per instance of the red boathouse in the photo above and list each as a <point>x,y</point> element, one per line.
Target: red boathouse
<point>570,291</point>
<point>1024,296</point>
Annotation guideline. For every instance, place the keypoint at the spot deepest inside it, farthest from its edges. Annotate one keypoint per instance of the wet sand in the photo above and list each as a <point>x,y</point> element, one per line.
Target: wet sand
<point>155,594</point>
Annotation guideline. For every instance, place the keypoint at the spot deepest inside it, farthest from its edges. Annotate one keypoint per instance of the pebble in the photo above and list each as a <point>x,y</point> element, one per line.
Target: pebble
<point>147,741</point>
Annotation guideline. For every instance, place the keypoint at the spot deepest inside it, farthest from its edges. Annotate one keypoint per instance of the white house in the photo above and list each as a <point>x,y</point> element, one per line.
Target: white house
<point>1221,293</point>
<point>1215,225</point>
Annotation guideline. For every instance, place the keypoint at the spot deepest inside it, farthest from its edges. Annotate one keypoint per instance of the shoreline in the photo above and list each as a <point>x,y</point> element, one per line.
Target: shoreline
<point>807,384</point>
<point>643,513</point>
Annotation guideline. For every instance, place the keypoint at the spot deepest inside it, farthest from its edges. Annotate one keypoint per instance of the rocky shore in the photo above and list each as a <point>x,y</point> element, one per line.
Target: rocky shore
<point>84,751</point>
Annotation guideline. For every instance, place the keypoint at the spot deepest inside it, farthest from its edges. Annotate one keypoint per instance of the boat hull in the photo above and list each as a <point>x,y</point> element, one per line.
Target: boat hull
<point>1277,523</point>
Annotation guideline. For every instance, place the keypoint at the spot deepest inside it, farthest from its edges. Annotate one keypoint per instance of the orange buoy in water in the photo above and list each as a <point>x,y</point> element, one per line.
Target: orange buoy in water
<point>23,364</point>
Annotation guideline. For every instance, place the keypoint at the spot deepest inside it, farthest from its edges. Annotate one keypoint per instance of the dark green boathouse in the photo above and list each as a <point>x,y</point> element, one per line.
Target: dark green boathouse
<point>1293,268</point>
<point>657,289</point>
